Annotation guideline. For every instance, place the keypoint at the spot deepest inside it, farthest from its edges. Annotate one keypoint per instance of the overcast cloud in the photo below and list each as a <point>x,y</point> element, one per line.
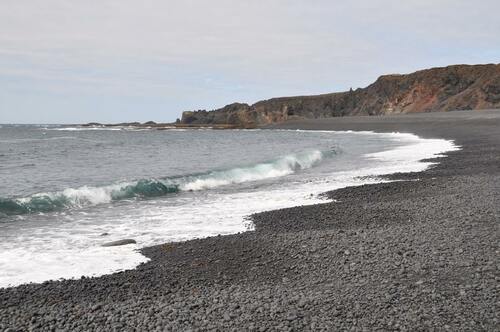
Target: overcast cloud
<point>65,61</point>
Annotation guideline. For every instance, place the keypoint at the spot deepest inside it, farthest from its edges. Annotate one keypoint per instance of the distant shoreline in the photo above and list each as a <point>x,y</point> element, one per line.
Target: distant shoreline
<point>155,125</point>
<point>293,121</point>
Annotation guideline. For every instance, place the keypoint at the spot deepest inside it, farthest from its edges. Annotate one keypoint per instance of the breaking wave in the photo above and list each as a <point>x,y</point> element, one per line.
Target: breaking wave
<point>144,188</point>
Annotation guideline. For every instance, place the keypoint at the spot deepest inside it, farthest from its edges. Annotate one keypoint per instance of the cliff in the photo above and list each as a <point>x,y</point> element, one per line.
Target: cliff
<point>458,87</point>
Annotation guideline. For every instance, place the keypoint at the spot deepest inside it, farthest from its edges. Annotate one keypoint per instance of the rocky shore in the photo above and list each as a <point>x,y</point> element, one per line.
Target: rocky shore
<point>420,253</point>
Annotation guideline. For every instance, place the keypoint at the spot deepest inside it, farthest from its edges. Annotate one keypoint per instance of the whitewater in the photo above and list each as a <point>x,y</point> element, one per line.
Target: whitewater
<point>68,191</point>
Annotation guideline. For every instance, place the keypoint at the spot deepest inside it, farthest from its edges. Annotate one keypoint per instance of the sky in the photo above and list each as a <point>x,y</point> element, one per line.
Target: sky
<point>69,61</point>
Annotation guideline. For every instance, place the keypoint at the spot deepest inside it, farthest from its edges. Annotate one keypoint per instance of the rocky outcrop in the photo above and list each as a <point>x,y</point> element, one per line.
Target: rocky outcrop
<point>119,243</point>
<point>458,87</point>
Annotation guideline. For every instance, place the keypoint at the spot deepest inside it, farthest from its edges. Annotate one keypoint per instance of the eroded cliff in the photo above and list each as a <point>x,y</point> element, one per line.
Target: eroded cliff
<point>457,87</point>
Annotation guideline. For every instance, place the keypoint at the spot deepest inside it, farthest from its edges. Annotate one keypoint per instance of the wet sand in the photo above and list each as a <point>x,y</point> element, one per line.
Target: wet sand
<point>416,254</point>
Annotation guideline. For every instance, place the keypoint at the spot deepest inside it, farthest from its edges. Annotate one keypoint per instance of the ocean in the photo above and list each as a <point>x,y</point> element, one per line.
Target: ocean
<point>65,191</point>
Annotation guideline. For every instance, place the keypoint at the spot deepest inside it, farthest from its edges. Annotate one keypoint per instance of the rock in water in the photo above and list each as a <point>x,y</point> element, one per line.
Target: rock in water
<point>119,243</point>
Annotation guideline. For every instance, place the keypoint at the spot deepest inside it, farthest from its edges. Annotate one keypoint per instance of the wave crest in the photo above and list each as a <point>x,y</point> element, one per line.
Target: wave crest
<point>280,167</point>
<point>88,195</point>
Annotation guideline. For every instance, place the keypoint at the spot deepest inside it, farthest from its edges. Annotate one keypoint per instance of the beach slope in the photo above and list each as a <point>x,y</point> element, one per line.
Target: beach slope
<point>420,253</point>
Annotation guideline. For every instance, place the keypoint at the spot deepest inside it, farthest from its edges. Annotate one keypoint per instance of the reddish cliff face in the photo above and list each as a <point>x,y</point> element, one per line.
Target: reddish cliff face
<point>458,87</point>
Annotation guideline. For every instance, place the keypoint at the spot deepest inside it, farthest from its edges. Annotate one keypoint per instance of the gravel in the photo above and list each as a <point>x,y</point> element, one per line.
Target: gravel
<point>405,255</point>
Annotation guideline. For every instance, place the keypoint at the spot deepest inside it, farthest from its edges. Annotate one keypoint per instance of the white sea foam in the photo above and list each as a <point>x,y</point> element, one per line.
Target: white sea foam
<point>57,263</point>
<point>84,128</point>
<point>78,197</point>
<point>71,247</point>
<point>408,158</point>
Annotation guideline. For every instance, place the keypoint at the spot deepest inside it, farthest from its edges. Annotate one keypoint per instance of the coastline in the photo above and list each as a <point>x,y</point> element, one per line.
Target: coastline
<point>398,255</point>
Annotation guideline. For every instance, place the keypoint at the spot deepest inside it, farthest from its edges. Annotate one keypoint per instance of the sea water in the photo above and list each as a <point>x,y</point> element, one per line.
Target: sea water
<point>65,191</point>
